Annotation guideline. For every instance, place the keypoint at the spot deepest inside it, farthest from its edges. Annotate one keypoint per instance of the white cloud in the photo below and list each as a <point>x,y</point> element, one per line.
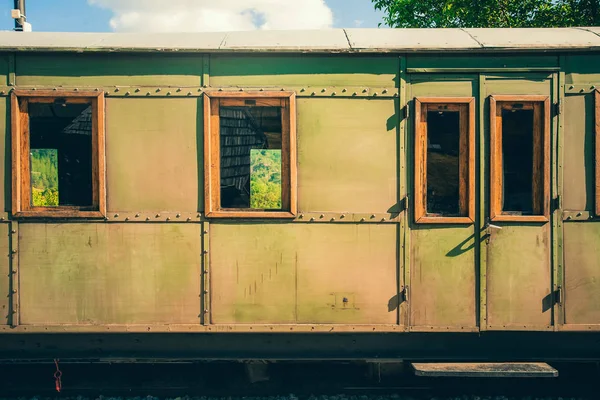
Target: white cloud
<point>215,15</point>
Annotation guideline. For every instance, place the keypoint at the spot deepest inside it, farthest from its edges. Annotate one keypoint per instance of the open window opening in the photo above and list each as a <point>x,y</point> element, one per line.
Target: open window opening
<point>444,160</point>
<point>250,153</point>
<point>520,158</point>
<point>58,167</point>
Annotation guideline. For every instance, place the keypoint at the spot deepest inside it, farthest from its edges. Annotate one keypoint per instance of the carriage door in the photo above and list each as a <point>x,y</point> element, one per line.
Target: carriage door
<point>516,265</point>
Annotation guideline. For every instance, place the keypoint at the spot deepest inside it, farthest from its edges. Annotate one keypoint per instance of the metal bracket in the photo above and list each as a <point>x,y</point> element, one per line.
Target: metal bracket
<point>555,203</point>
<point>404,294</point>
<point>558,107</point>
<point>558,295</point>
<point>406,111</point>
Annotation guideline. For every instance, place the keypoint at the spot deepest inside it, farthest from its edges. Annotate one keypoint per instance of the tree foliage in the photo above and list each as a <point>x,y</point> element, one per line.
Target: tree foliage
<point>44,177</point>
<point>265,181</point>
<point>489,13</point>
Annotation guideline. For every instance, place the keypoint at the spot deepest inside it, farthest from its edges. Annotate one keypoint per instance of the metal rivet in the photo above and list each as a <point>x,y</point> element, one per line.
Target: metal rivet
<point>204,251</point>
<point>342,216</point>
<point>14,311</point>
<point>571,87</point>
<point>127,93</point>
<point>157,215</point>
<point>137,215</point>
<point>205,231</point>
<point>312,219</point>
<point>206,311</point>
<point>365,90</point>
<point>579,214</point>
<point>323,90</point>
<point>261,90</point>
<point>76,89</point>
<point>206,292</point>
<point>168,219</point>
<point>188,219</point>
<point>179,89</point>
<point>14,252</point>
<point>569,217</point>
<point>137,90</point>
<point>126,218</point>
<point>168,93</point>
<point>301,216</point>
<point>333,219</point>
<point>382,219</point>
<point>220,89</point>
<point>206,271</point>
<point>147,93</point>
<point>362,220</point>
<point>333,94</point>
<point>384,91</point>
<point>117,89</point>
<point>593,87</point>
<point>189,93</point>
<point>178,215</point>
<point>54,89</point>
<point>344,90</point>
<point>302,90</point>
<point>321,216</point>
<point>96,90</point>
<point>198,215</point>
<point>372,215</point>
<point>14,271</point>
<point>375,94</point>
<point>158,89</point>
<point>147,218</point>
<point>14,290</point>
<point>313,93</point>
<point>13,231</point>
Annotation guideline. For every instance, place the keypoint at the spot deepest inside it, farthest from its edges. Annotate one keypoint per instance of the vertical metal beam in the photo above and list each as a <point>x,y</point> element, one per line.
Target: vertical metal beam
<point>12,73</point>
<point>480,223</point>
<point>205,70</point>
<point>557,171</point>
<point>205,275</point>
<point>14,273</point>
<point>403,264</point>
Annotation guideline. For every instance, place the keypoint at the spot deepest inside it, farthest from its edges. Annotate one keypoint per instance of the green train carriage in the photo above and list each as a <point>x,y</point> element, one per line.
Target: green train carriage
<point>305,194</point>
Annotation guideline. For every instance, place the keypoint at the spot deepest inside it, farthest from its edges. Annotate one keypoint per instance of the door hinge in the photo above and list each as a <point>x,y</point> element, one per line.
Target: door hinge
<point>404,294</point>
<point>406,111</point>
<point>558,108</point>
<point>558,295</point>
<point>403,204</point>
<point>555,203</point>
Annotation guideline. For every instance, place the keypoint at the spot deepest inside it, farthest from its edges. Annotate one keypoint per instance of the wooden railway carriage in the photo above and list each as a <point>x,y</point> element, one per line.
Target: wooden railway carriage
<point>429,194</point>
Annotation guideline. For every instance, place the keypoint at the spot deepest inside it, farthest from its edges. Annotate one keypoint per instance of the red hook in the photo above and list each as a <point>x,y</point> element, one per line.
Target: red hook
<point>57,376</point>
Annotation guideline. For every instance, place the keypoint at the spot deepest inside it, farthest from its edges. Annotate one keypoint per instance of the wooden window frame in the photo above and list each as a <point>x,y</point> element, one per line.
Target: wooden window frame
<point>466,107</point>
<point>21,177</point>
<point>597,145</point>
<point>212,180</point>
<point>541,125</point>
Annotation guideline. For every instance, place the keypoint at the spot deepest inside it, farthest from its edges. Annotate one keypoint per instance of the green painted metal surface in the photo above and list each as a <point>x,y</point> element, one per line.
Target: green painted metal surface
<point>259,71</point>
<point>347,155</point>
<point>582,273</point>
<point>302,273</point>
<point>579,174</point>
<point>483,62</point>
<point>519,277</point>
<point>442,284</point>
<point>154,154</point>
<point>108,69</point>
<point>582,69</point>
<point>96,273</point>
<point>442,257</point>
<point>5,274</point>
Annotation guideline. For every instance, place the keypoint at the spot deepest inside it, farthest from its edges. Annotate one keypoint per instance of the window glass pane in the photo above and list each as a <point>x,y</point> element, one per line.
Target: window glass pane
<point>250,157</point>
<point>60,154</point>
<point>517,160</point>
<point>443,145</point>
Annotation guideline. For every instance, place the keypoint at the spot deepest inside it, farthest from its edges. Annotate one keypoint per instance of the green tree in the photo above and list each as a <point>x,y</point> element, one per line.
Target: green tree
<point>489,13</point>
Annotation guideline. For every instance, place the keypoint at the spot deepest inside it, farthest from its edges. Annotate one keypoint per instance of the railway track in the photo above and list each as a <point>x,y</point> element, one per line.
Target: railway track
<point>307,381</point>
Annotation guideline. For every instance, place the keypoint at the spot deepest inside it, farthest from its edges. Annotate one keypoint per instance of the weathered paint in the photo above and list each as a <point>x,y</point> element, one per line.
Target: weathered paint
<point>579,171</point>
<point>442,284</point>
<point>297,273</point>
<point>164,138</point>
<point>482,62</point>
<point>519,277</point>
<point>442,257</point>
<point>347,163</point>
<point>265,71</point>
<point>91,70</point>
<point>95,273</point>
<point>582,69</point>
<point>582,273</point>
<point>5,274</point>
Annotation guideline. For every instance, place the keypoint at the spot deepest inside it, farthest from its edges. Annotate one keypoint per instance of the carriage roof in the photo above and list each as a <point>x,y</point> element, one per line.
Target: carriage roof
<point>318,41</point>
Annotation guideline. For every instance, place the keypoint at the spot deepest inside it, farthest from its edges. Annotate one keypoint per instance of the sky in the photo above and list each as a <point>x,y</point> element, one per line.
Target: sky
<point>191,15</point>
